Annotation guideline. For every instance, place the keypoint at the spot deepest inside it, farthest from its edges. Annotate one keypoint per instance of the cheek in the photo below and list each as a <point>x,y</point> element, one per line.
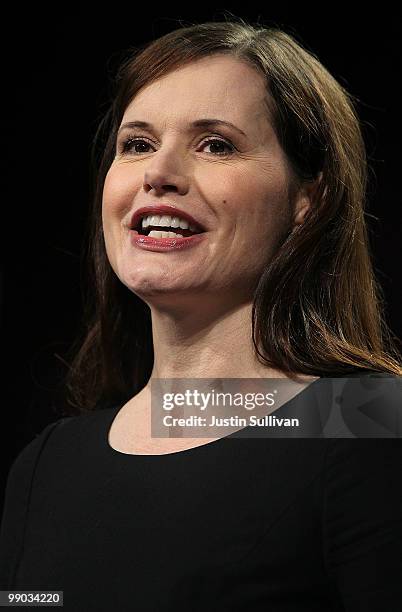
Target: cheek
<point>117,194</point>
<point>116,204</point>
<point>253,196</point>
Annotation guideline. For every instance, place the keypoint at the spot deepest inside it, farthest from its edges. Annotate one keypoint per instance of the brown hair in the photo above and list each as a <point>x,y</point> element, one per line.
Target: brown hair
<point>317,308</point>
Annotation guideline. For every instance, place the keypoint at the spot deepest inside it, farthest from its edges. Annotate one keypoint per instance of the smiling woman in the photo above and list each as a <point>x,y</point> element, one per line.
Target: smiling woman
<point>241,195</point>
<point>227,241</point>
<point>245,131</point>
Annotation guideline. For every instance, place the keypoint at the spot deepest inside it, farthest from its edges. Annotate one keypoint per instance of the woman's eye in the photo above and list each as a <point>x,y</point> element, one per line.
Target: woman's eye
<point>130,145</point>
<point>221,143</point>
<point>133,142</point>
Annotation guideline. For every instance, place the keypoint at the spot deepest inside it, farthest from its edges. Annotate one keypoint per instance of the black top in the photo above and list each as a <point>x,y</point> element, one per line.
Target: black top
<point>238,524</point>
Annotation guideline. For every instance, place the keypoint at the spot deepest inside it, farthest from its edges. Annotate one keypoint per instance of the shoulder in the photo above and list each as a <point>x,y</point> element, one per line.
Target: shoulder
<point>362,520</point>
<point>352,458</point>
<point>362,489</point>
<point>24,466</point>
<point>16,500</point>
<point>59,440</point>
<point>365,439</point>
<point>56,456</point>
<point>24,463</point>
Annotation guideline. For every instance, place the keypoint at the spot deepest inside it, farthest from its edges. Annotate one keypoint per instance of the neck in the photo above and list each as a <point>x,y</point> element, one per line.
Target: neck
<point>206,344</point>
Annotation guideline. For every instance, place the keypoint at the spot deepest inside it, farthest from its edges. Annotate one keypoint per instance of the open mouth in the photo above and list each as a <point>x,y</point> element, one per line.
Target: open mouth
<point>166,227</point>
<point>165,232</point>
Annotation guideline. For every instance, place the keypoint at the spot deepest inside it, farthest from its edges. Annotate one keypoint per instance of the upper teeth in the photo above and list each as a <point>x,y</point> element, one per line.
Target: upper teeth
<point>167,221</point>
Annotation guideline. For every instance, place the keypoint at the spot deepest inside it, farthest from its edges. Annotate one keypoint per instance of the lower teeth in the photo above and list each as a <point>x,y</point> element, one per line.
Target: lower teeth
<point>156,234</point>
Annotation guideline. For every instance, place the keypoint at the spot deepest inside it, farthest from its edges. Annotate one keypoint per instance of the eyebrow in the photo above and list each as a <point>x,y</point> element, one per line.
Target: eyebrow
<point>194,124</point>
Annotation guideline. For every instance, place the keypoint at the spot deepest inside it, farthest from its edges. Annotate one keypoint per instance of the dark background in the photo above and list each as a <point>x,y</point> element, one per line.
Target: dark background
<point>55,80</point>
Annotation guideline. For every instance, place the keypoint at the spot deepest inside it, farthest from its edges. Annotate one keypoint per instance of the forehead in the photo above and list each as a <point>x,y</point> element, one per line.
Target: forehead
<point>223,85</point>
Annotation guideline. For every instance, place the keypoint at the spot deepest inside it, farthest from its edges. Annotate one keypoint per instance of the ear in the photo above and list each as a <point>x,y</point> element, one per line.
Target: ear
<point>305,199</point>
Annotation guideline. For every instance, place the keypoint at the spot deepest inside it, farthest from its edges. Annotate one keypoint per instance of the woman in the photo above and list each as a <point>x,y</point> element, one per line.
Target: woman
<point>243,135</point>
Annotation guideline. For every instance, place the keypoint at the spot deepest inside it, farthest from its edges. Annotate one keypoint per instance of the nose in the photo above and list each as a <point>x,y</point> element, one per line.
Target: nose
<point>159,176</point>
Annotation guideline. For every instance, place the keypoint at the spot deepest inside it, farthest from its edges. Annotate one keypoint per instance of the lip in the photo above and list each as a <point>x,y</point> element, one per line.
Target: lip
<point>162,245</point>
<point>164,209</point>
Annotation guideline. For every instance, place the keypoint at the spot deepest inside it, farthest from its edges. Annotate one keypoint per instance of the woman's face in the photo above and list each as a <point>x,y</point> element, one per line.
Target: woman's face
<point>236,186</point>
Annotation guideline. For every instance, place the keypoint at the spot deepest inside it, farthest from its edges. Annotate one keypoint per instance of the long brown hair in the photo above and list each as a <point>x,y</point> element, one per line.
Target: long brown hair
<point>317,308</point>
